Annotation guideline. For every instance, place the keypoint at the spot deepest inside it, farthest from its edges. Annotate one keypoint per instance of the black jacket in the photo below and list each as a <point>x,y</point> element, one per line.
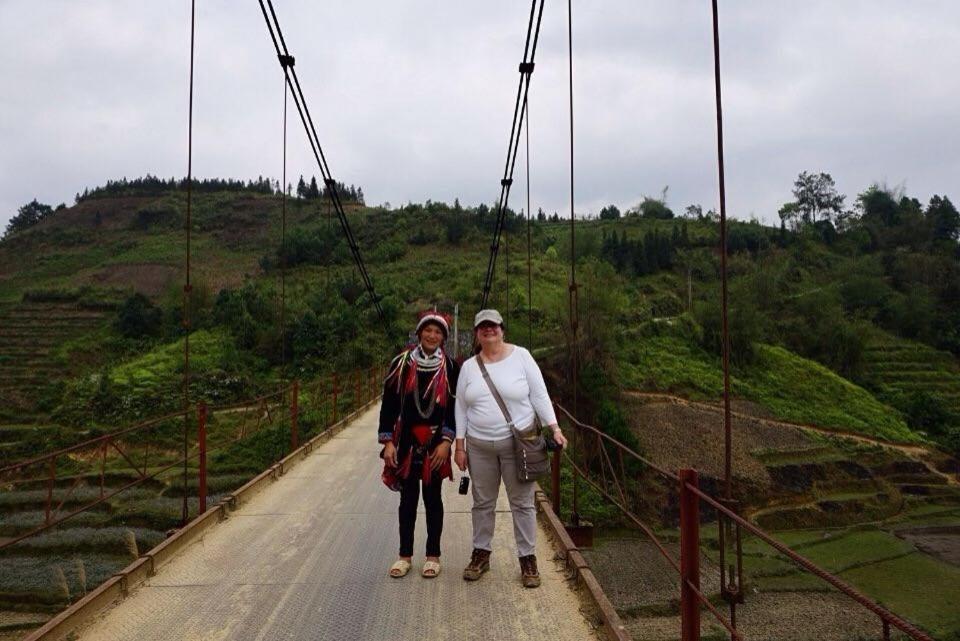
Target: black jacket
<point>394,403</point>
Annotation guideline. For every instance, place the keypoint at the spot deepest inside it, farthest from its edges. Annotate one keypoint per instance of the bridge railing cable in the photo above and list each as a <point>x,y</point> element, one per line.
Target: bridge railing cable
<point>665,506</point>
<point>287,62</point>
<point>526,68</point>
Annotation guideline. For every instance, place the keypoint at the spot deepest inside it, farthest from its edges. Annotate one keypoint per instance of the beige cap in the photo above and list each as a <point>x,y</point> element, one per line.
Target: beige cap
<point>487,315</point>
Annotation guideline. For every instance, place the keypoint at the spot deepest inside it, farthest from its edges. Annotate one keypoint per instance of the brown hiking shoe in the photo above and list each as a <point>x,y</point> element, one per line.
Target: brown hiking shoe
<point>528,571</point>
<point>479,563</point>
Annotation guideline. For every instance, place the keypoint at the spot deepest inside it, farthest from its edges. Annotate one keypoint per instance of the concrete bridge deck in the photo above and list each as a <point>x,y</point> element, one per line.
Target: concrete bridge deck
<point>307,559</point>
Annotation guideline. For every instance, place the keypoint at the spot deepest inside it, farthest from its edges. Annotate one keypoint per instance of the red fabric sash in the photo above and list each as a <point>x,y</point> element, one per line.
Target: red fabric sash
<point>393,477</point>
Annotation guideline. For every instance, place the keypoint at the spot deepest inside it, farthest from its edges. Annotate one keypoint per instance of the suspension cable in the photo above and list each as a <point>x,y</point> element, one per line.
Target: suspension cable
<point>731,585</point>
<point>283,241</point>
<point>529,243</point>
<point>574,297</point>
<point>299,100</point>
<point>727,462</point>
<point>187,287</point>
<point>526,71</point>
<point>506,272</point>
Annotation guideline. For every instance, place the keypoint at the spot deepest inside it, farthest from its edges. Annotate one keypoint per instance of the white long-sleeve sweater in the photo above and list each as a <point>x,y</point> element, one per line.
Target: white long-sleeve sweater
<point>520,383</point>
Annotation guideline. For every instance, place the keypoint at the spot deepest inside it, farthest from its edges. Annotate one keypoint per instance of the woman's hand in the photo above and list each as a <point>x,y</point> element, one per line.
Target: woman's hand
<point>440,454</point>
<point>460,458</point>
<point>390,454</point>
<point>558,436</point>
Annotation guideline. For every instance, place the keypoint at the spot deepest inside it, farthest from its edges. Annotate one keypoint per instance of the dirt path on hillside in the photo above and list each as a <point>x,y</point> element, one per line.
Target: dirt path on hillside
<point>918,452</point>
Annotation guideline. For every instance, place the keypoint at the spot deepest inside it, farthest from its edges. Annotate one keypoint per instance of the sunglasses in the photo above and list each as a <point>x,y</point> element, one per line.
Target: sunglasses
<point>486,325</point>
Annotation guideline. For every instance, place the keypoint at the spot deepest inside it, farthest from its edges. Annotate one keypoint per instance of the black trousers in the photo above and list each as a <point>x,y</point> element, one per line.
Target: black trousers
<point>409,498</point>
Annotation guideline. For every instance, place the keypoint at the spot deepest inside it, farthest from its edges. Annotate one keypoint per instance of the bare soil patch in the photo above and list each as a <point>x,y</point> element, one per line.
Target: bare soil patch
<point>150,279</point>
<point>786,616</point>
<point>942,542</point>
<point>644,589</point>
<point>678,435</point>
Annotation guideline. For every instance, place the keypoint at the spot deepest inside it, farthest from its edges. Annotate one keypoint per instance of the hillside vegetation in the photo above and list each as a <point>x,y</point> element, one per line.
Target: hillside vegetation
<point>818,310</point>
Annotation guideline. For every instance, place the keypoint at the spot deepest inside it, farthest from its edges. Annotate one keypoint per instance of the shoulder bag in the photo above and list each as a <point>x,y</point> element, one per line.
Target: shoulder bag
<point>529,445</point>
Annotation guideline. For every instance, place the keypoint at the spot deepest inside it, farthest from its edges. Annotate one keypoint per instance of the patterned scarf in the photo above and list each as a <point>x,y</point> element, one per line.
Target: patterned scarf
<point>416,360</point>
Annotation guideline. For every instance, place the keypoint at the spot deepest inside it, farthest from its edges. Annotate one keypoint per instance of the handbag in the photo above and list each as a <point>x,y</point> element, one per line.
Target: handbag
<point>529,445</point>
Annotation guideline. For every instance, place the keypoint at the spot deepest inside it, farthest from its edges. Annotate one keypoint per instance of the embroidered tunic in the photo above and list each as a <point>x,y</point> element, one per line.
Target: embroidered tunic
<point>399,402</point>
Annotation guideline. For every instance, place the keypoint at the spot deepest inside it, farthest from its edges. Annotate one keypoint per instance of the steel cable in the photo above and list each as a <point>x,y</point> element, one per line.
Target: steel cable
<point>185,510</point>
<point>519,108</point>
<point>296,91</point>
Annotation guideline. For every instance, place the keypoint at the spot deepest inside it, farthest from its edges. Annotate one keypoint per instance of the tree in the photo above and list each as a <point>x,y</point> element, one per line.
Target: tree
<point>654,208</point>
<point>878,206</point>
<point>816,195</point>
<point>313,191</point>
<point>694,212</point>
<point>943,218</point>
<point>610,212</point>
<point>138,317</point>
<point>790,213</point>
<point>541,215</point>
<point>302,191</point>
<point>27,216</point>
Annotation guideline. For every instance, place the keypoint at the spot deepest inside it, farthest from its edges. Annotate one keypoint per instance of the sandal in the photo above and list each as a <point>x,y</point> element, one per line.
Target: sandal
<point>430,569</point>
<point>400,568</point>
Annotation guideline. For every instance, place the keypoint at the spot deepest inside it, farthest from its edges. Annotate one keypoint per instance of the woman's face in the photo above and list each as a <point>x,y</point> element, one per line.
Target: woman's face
<point>489,334</point>
<point>430,337</point>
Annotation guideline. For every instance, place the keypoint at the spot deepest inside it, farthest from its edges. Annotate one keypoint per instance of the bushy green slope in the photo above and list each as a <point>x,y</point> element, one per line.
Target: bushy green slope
<point>790,387</point>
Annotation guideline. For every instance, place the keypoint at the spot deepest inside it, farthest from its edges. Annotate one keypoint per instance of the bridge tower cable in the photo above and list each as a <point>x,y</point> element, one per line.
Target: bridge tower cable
<point>731,578</point>
<point>573,288</point>
<point>526,71</point>
<point>187,287</point>
<point>526,129</point>
<point>299,100</point>
<point>283,234</point>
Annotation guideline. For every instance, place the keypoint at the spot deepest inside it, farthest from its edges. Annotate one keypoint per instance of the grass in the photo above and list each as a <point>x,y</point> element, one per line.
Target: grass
<point>792,388</point>
<point>855,549</point>
<point>919,588</point>
<point>108,540</point>
<point>54,578</point>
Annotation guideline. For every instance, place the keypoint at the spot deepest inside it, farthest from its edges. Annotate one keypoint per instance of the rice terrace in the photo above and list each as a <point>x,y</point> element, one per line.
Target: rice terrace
<point>756,368</point>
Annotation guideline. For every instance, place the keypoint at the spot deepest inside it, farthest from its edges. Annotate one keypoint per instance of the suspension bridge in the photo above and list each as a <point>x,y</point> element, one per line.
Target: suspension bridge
<point>301,549</point>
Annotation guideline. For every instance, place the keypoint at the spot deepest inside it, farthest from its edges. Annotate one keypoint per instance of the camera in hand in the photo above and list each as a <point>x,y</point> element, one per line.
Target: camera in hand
<point>464,484</point>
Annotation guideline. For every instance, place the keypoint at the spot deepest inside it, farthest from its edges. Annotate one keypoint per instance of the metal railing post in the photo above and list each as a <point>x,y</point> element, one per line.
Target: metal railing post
<point>356,394</point>
<point>334,399</point>
<point>689,557</point>
<point>294,415</point>
<point>51,476</point>
<point>555,482</point>
<point>202,460</point>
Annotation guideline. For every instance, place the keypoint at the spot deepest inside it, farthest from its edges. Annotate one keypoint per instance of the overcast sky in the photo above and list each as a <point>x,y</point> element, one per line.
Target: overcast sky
<point>413,98</point>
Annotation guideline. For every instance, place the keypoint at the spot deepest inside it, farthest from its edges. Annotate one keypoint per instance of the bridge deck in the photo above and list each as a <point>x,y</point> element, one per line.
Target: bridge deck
<point>307,559</point>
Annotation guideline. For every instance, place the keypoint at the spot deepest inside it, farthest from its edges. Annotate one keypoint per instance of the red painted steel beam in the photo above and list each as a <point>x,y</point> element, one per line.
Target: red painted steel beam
<point>689,557</point>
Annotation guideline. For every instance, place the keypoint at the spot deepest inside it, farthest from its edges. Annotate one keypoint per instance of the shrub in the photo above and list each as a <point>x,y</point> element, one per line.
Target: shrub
<point>138,317</point>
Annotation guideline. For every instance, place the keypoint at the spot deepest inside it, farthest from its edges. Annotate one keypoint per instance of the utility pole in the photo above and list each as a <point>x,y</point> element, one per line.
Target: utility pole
<point>456,330</point>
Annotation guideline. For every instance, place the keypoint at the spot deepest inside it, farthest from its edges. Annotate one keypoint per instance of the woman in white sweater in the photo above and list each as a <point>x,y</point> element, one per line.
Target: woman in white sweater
<point>485,441</point>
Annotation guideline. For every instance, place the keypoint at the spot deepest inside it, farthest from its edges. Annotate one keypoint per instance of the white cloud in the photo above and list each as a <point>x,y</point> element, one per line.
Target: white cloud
<point>412,100</point>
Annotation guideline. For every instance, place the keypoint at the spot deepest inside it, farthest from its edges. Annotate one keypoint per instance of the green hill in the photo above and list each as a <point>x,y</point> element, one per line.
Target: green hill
<point>803,308</point>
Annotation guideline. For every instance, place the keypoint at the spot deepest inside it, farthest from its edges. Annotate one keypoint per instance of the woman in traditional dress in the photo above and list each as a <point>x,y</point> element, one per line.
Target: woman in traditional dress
<point>417,426</point>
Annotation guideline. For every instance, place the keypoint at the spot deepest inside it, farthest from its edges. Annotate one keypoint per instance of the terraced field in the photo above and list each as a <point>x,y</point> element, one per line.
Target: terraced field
<point>32,337</point>
<point>897,365</point>
<point>884,517</point>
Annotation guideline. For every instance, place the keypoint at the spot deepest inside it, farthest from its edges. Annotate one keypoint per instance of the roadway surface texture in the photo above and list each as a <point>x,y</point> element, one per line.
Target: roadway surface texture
<point>307,559</point>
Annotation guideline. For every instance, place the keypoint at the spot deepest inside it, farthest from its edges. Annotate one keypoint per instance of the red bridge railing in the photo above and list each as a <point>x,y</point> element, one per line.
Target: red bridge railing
<point>147,450</point>
<point>621,476</point>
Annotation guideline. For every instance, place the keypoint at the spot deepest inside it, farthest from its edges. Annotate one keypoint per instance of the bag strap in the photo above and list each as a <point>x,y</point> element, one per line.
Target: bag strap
<point>496,394</point>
